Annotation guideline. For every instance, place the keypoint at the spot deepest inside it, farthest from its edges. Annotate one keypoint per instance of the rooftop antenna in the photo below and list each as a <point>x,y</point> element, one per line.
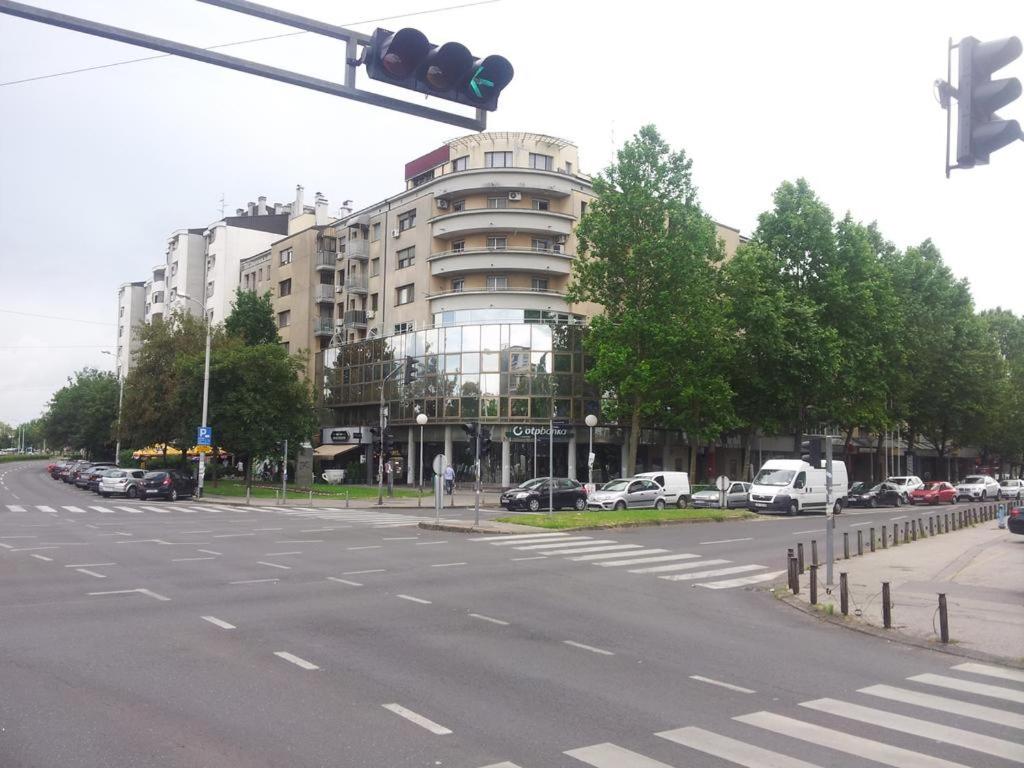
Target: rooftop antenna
<point>222,204</point>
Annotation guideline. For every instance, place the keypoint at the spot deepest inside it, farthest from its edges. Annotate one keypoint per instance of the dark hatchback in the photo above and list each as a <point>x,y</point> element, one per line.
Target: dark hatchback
<point>167,484</point>
<point>534,495</point>
<point>1015,521</point>
<point>881,495</point>
<point>88,478</point>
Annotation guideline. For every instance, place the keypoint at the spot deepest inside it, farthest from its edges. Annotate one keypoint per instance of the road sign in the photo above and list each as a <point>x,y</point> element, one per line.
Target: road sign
<point>204,449</point>
<point>439,463</point>
<point>204,436</point>
<point>722,482</point>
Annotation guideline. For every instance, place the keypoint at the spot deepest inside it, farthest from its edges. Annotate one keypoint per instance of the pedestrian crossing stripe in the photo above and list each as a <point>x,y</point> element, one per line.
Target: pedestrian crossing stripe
<point>78,510</point>
<point>712,573</point>
<point>733,750</point>
<point>969,686</point>
<point>679,566</point>
<point>757,578</point>
<point>612,555</point>
<point>15,508</point>
<point>945,704</point>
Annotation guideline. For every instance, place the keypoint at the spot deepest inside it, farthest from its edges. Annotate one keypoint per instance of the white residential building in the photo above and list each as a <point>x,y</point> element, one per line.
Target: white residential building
<point>131,313</point>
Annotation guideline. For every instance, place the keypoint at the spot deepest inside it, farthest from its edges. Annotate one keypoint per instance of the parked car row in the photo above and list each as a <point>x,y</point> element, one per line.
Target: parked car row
<point>108,480</point>
<point>648,490</point>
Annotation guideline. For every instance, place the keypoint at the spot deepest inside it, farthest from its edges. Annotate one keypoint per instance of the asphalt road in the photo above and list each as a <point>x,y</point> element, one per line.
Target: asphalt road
<point>159,634</point>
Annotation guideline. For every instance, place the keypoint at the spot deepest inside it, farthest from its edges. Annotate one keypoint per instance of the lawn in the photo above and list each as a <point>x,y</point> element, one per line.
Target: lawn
<point>235,487</point>
<point>611,519</point>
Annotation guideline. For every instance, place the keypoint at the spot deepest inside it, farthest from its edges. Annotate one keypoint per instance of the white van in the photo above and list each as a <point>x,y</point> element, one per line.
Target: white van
<point>794,486</point>
<point>676,485</point>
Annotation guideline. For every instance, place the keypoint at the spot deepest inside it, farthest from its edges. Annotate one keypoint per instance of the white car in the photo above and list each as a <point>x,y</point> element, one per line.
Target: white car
<point>906,484</point>
<point>978,488</point>
<point>122,482</point>
<point>632,492</point>
<point>1012,489</point>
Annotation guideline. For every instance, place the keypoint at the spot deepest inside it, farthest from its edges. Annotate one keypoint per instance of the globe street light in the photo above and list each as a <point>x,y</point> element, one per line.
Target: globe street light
<point>590,421</point>
<point>421,419</point>
<point>206,390</point>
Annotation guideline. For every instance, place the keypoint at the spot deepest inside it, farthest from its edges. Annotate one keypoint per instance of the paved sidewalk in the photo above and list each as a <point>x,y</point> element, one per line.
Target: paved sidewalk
<point>978,569</point>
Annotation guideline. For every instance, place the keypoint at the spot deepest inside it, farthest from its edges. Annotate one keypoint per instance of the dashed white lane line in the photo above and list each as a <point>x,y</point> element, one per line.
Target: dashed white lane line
<point>730,686</point>
<point>254,581</point>
<point>190,559</point>
<point>344,581</point>
<point>218,622</point>
<point>88,565</point>
<point>268,529</point>
<point>532,557</point>
<point>231,535</point>
<point>491,619</point>
<point>299,662</point>
<point>87,572</point>
<point>209,552</point>
<point>420,720</point>
<point>146,592</point>
<point>274,565</point>
<point>300,541</point>
<point>399,538</point>
<point>445,565</point>
<point>357,573</point>
<point>414,599</point>
<point>428,543</point>
<point>590,648</point>
<point>370,546</point>
<point>44,558</point>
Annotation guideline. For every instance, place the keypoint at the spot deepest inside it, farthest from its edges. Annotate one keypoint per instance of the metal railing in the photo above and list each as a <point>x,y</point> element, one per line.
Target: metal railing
<point>357,249</point>
<point>326,259</point>
<point>323,327</point>
<point>524,249</point>
<point>323,292</point>
<point>356,283</point>
<point>505,289</point>
<point>355,318</point>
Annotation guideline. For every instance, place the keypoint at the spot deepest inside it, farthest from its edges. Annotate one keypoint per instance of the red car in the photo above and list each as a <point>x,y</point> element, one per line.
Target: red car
<point>933,493</point>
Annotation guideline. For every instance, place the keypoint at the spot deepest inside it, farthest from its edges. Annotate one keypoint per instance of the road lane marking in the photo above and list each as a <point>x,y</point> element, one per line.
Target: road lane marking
<point>6,546</point>
<point>517,537</point>
<point>730,686</point>
<point>29,549</point>
<point>274,565</point>
<point>254,581</point>
<point>571,550</point>
<point>742,581</point>
<point>713,573</point>
<point>209,552</point>
<point>428,543</point>
<point>130,510</point>
<point>813,530</point>
<point>609,755</point>
<point>861,525</point>
<point>65,543</point>
<point>415,599</point>
<point>944,704</point>
<point>988,669</point>
<point>532,557</point>
<point>399,538</point>
<point>190,559</point>
<point>45,509</point>
<point>88,565</point>
<point>357,573</point>
<point>968,686</point>
<point>293,552</point>
<point>590,648</point>
<point>218,622</point>
<point>79,510</point>
<point>299,541</point>
<point>577,541</point>
<point>446,565</point>
<point>344,581</point>
<point>87,572</point>
<point>480,616</point>
<point>733,750</point>
<point>146,592</point>
<point>901,517</point>
<point>371,546</point>
<point>23,536</point>
<point>315,530</point>
<point>44,558</point>
<point>420,720</point>
<point>15,508</point>
<point>677,566</point>
<point>231,535</point>
<point>642,560</point>
<point>296,660</point>
<point>183,533</point>
<point>727,541</point>
<point>268,529</point>
<point>104,510</point>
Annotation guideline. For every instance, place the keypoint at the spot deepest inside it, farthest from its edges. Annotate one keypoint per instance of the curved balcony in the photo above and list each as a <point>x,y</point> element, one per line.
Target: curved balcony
<point>500,221</point>
<point>157,286</point>
<point>530,180</point>
<point>502,298</point>
<point>513,259</point>
<point>156,308</point>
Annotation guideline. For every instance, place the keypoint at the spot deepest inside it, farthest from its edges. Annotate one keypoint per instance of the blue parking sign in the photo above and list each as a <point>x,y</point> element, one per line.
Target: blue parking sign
<point>205,436</point>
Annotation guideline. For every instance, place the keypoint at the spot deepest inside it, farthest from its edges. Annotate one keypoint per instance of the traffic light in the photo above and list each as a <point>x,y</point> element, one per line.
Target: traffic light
<point>979,130</point>
<point>389,442</point>
<point>811,450</point>
<point>485,440</point>
<point>407,59</point>
<point>411,374</point>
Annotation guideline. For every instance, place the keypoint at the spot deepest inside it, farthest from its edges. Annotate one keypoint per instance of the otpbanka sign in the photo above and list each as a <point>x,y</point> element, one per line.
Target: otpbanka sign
<point>526,432</point>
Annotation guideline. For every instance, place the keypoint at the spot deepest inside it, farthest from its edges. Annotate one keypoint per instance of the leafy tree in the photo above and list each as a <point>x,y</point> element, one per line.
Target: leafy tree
<point>7,435</point>
<point>1005,435</point>
<point>81,415</point>
<point>647,255</point>
<point>252,319</point>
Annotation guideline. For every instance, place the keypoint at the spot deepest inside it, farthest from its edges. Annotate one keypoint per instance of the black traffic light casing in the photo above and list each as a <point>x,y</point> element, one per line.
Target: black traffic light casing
<point>811,451</point>
<point>375,433</point>
<point>450,71</point>
<point>411,373</point>
<point>388,442</point>
<point>980,131</point>
<point>485,439</point>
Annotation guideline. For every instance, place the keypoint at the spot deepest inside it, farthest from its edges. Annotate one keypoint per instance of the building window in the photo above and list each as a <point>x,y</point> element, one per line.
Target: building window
<point>174,268</point>
<point>406,257</point>
<point>568,167</point>
<point>209,289</point>
<point>286,256</point>
<point>541,162</point>
<point>459,246</point>
<point>373,301</point>
<point>408,327</point>
<point>287,346</point>
<point>497,282</point>
<point>374,267</point>
<point>407,220</point>
<point>284,318</point>
<point>120,331</point>
<point>497,243</point>
<point>583,210</point>
<point>284,288</point>
<point>260,278</point>
<point>423,178</point>
<point>458,205</point>
<point>458,285</point>
<point>541,245</point>
<point>405,294</point>
<point>497,202</point>
<point>460,163</point>
<point>328,243</point>
<point>541,204</point>
<point>121,313</point>
<point>539,284</point>
<point>376,230</point>
<point>498,159</point>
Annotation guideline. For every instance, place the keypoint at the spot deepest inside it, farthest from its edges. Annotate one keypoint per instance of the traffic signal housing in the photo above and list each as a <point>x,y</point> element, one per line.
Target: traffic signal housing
<point>485,439</point>
<point>411,373</point>
<point>811,451</point>
<point>450,71</point>
<point>980,131</point>
<point>388,442</point>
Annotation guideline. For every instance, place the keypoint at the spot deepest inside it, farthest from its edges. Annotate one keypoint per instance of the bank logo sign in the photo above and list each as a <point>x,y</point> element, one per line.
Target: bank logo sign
<point>526,432</point>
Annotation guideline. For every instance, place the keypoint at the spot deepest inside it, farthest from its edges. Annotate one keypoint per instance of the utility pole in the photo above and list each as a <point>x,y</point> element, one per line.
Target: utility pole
<point>477,510</point>
<point>830,520</point>
<point>284,473</point>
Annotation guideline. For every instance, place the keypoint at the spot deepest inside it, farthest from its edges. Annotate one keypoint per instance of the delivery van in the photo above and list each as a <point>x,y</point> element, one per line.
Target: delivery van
<point>676,485</point>
<point>794,486</point>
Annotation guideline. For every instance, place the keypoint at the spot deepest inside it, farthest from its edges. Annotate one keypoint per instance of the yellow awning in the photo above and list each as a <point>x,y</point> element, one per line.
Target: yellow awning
<point>153,451</point>
<point>332,451</point>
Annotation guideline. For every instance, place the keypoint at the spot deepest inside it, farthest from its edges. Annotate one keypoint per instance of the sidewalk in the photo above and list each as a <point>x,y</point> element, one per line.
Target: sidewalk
<point>978,569</point>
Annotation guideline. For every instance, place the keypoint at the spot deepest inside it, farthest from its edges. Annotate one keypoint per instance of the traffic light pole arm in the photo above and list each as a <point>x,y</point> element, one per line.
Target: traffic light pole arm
<point>346,91</point>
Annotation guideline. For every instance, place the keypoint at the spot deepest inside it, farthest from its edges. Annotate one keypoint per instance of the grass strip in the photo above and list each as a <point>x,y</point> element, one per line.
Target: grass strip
<point>612,518</point>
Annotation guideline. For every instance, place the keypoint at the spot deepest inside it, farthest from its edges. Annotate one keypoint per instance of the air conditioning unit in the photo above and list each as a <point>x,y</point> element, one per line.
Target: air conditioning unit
<point>560,239</point>
<point>396,232</point>
<point>370,314</point>
<point>442,204</point>
<point>515,195</point>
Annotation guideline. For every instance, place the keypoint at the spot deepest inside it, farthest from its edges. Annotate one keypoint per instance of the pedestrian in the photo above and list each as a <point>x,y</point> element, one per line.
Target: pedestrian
<point>240,467</point>
<point>449,479</point>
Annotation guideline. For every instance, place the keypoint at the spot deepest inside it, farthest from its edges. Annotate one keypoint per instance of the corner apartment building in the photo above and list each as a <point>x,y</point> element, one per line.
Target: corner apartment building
<point>466,272</point>
<point>131,313</point>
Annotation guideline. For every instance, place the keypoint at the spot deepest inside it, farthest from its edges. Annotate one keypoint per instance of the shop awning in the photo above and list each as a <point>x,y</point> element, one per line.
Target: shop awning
<point>332,451</point>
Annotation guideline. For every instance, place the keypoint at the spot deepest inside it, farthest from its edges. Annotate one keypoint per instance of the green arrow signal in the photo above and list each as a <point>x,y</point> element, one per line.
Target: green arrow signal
<point>476,81</point>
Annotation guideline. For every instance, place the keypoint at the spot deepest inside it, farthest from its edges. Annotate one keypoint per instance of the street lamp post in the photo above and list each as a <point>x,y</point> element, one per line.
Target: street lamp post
<point>120,401</point>
<point>590,421</point>
<point>206,390</point>
<point>421,419</point>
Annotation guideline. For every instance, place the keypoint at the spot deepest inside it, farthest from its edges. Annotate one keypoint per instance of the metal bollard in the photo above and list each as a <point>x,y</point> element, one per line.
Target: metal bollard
<point>800,557</point>
<point>895,534</point>
<point>814,551</point>
<point>871,536</point>
<point>945,516</point>
<point>931,526</point>
<point>906,531</point>
<point>346,496</point>
<point>943,619</point>
<point>886,606</point>
<point>248,495</point>
<point>794,577</point>
<point>814,584</point>
<point>860,542</point>
<point>885,538</point>
<point>844,595</point>
<point>311,497</point>
<point>913,530</point>
<point>846,545</point>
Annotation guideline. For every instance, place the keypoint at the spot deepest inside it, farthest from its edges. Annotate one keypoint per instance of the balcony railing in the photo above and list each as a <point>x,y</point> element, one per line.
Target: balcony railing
<point>505,289</point>
<point>323,327</point>
<point>355,284</point>
<point>326,260</point>
<point>357,249</point>
<point>354,318</point>
<point>553,251</point>
<point>323,293</point>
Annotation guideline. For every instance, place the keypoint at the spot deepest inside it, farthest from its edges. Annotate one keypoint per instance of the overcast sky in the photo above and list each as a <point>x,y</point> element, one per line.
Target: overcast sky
<point>97,168</point>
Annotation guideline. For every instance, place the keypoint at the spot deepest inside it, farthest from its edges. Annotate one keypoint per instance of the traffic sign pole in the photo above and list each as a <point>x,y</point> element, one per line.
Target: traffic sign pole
<point>830,520</point>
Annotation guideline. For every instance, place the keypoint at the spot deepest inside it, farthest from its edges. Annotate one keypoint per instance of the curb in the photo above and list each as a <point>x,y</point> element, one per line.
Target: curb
<point>510,528</point>
<point>638,524</point>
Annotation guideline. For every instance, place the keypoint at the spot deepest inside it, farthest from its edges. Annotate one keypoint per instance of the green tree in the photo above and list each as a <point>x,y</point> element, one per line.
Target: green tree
<point>648,255</point>
<point>81,415</point>
<point>1005,434</point>
<point>252,319</point>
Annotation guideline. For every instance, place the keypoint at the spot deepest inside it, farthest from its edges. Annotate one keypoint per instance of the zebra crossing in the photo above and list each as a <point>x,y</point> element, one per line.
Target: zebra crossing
<point>686,567</point>
<point>913,715</point>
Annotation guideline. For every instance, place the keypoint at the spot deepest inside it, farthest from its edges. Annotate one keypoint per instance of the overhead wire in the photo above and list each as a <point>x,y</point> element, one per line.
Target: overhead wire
<point>53,317</point>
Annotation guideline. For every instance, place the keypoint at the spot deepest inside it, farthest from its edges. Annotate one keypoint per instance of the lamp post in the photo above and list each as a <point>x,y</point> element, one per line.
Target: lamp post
<point>206,390</point>
<point>120,401</point>
<point>590,421</point>
<point>421,419</point>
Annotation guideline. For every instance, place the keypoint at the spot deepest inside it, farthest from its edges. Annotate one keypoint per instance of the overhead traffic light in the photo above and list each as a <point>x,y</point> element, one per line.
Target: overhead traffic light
<point>407,59</point>
<point>485,439</point>
<point>411,373</point>
<point>980,131</point>
<point>388,442</point>
<point>811,451</point>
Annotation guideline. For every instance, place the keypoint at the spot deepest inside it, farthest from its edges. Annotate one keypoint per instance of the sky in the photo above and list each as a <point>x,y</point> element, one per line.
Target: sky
<point>98,168</point>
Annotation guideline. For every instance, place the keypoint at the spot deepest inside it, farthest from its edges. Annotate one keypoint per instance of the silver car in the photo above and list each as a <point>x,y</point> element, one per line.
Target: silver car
<point>122,482</point>
<point>735,497</point>
<point>635,493</point>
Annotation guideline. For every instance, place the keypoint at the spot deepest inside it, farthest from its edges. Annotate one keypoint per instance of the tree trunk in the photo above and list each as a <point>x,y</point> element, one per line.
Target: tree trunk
<point>633,442</point>
<point>880,455</point>
<point>745,438</point>
<point>693,461</point>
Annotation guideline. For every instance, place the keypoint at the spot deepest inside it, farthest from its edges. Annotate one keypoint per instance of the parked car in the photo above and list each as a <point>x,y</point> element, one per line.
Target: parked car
<point>96,477</point>
<point>676,485</point>
<point>535,494</point>
<point>56,469</point>
<point>1015,522</point>
<point>632,492</point>
<point>978,488</point>
<point>122,482</point>
<point>881,495</point>
<point>88,475</point>
<point>906,484</point>
<point>70,472</point>
<point>934,493</point>
<point>1012,489</point>
<point>167,484</point>
<point>735,497</point>
<point>858,487</point>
